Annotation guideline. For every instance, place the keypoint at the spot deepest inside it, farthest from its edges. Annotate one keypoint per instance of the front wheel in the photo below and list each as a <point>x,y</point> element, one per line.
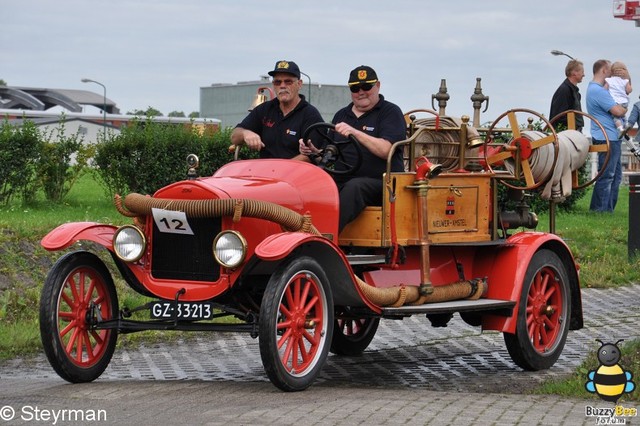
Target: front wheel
<point>78,289</point>
<point>296,320</point>
<point>543,314</point>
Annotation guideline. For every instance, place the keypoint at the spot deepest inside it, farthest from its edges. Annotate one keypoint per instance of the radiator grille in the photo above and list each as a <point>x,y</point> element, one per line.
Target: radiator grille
<point>186,257</point>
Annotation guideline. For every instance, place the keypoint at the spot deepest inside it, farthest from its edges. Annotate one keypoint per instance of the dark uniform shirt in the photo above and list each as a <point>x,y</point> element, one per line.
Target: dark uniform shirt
<point>280,133</point>
<point>566,97</point>
<point>385,121</point>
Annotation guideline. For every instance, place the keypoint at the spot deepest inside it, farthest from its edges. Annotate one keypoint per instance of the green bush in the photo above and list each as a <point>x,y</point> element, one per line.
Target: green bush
<point>148,155</point>
<point>62,161</point>
<point>20,148</point>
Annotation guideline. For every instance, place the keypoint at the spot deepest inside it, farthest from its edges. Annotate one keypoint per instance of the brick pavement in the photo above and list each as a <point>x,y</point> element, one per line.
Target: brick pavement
<point>411,374</point>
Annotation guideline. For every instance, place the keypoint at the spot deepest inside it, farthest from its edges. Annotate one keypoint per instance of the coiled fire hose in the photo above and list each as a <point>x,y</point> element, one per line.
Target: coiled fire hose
<point>409,295</point>
<point>442,146</point>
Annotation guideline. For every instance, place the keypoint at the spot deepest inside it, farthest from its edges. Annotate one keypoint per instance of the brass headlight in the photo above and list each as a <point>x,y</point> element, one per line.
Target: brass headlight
<point>229,249</point>
<point>129,243</point>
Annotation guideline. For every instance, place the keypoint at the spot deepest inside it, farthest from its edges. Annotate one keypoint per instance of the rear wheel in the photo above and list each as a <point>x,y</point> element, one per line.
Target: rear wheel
<point>78,289</point>
<point>543,314</point>
<point>352,336</point>
<point>296,323</point>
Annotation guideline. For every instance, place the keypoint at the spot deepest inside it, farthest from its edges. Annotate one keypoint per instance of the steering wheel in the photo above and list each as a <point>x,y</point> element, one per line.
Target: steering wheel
<point>332,154</point>
<point>603,148</point>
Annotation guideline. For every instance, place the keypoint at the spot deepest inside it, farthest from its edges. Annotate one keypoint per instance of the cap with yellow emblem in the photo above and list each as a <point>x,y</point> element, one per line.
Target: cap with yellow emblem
<point>288,67</point>
<point>363,74</point>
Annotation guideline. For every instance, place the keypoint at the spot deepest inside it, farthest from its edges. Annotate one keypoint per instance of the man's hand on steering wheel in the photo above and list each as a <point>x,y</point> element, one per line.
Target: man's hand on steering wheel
<point>332,155</point>
<point>345,130</point>
<point>308,148</point>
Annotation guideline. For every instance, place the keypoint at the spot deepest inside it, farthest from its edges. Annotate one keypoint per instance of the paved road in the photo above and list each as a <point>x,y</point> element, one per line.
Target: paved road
<point>411,374</point>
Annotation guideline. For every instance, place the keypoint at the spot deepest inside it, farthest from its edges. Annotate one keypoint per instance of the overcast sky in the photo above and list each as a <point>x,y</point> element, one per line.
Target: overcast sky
<point>159,52</point>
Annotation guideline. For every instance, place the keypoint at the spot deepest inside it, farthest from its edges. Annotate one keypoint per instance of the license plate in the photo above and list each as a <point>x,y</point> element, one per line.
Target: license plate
<point>183,310</point>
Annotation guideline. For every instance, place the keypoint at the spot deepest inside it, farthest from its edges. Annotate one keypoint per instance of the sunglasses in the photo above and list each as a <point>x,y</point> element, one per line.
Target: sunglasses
<point>357,87</point>
<point>286,81</point>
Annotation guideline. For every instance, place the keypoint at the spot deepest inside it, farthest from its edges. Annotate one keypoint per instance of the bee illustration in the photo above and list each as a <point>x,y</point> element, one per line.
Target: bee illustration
<point>609,381</point>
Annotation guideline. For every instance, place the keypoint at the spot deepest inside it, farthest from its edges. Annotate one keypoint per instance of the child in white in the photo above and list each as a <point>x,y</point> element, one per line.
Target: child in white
<point>619,85</point>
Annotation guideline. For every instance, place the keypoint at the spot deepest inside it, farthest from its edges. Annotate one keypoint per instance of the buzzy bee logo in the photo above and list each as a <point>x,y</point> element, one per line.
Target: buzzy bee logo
<point>609,381</point>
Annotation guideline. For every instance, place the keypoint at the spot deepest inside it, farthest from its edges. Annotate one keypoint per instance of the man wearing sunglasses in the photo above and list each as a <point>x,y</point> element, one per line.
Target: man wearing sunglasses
<point>274,127</point>
<point>376,124</point>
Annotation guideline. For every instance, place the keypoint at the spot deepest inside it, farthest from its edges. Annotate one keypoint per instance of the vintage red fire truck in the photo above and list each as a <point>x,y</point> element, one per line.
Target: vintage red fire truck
<point>258,243</point>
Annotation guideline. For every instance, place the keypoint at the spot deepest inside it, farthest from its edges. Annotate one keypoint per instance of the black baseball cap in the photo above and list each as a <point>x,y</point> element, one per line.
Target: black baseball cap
<point>288,67</point>
<point>363,74</point>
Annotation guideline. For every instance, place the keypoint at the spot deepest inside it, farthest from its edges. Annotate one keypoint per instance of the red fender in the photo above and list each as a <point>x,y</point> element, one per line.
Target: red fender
<point>346,291</point>
<point>279,246</point>
<point>507,272</point>
<point>65,235</point>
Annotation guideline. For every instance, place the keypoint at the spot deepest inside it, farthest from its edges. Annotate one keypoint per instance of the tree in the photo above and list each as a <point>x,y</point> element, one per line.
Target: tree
<point>150,112</point>
<point>194,114</point>
<point>2,82</point>
<point>176,114</point>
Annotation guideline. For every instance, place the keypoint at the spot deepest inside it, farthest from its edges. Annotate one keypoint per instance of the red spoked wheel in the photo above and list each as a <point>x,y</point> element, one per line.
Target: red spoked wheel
<point>543,314</point>
<point>351,336</point>
<point>296,319</point>
<point>78,289</point>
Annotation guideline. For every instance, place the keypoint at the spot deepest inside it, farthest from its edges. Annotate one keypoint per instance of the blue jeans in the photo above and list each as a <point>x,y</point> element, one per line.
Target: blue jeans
<point>605,191</point>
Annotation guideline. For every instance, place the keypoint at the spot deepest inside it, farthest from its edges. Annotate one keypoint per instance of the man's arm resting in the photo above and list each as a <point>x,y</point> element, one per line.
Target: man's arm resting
<point>251,139</point>
<point>237,136</point>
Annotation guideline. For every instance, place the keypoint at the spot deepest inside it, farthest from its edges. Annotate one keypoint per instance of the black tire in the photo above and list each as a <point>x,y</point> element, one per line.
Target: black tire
<point>296,323</point>
<point>545,305</point>
<point>77,353</point>
<point>352,336</point>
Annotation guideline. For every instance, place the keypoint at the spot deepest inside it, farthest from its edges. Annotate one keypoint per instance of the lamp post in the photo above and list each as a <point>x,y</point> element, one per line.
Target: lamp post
<point>306,75</point>
<point>104,103</point>
<point>560,53</point>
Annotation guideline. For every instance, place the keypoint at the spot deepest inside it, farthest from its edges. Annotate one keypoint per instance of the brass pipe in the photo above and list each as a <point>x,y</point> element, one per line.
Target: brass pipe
<point>477,99</point>
<point>463,144</point>
<point>426,287</point>
<point>442,97</point>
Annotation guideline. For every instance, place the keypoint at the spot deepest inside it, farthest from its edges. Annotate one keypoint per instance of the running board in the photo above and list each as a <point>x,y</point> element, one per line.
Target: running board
<point>366,259</point>
<point>494,306</point>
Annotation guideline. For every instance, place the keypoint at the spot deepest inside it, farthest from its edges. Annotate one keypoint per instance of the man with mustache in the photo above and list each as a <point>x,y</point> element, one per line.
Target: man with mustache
<point>274,127</point>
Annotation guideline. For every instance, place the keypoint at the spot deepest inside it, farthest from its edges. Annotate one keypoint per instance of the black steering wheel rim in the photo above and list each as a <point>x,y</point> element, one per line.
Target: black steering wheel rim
<point>333,151</point>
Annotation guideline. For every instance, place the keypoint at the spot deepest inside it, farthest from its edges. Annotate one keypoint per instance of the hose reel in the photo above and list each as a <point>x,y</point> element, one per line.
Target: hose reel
<point>526,158</point>
<point>602,148</point>
<point>441,143</point>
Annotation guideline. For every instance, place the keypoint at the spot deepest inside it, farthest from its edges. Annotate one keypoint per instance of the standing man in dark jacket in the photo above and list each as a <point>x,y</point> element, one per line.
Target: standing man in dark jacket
<point>567,96</point>
<point>274,127</point>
